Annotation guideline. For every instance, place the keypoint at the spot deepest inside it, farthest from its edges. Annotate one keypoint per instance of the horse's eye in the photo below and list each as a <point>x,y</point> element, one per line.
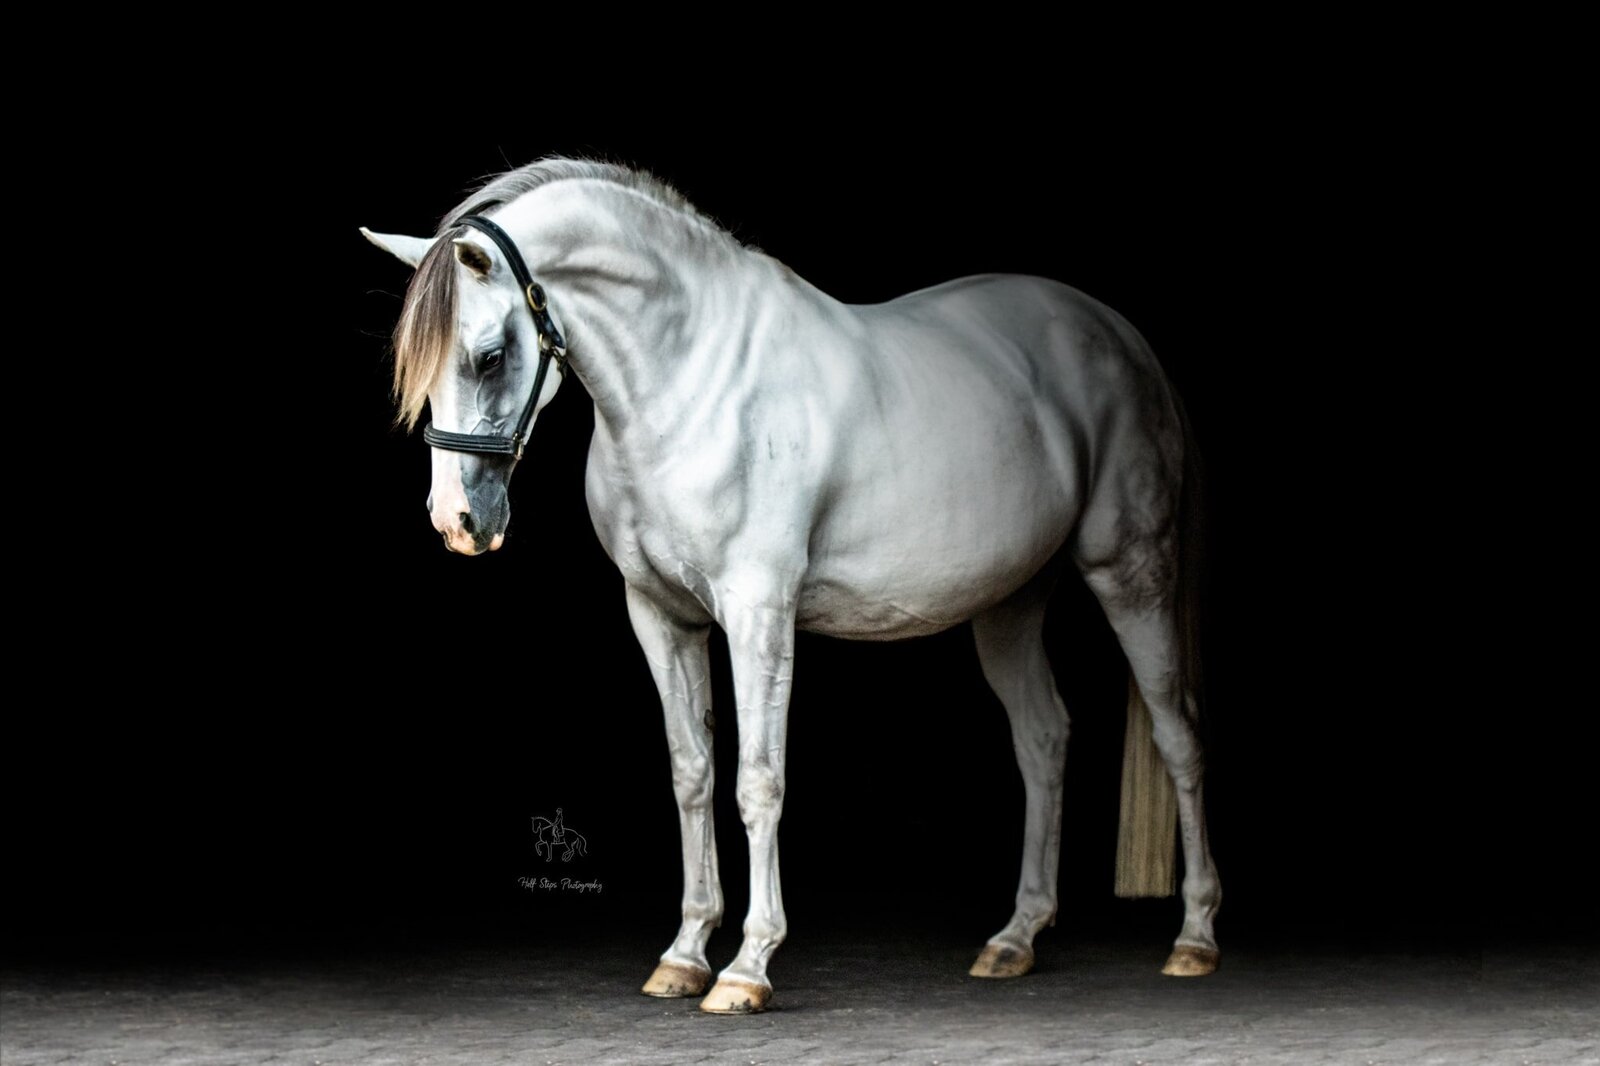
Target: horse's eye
<point>494,359</point>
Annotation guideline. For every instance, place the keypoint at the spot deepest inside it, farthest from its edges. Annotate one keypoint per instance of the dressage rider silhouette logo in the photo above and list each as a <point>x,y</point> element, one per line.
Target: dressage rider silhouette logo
<point>547,834</point>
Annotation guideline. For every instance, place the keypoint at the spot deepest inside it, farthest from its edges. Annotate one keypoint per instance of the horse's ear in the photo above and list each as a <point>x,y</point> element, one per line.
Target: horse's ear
<point>472,257</point>
<point>408,250</point>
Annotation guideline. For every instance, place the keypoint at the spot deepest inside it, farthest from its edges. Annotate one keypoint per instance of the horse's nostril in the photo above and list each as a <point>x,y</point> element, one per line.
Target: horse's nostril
<point>467,525</point>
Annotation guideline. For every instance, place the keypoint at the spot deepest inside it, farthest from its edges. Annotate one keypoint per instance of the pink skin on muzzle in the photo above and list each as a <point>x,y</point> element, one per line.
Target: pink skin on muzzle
<point>450,509</point>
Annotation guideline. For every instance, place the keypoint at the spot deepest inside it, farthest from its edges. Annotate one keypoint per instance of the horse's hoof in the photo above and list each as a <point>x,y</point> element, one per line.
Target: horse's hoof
<point>1000,960</point>
<point>674,980</point>
<point>736,997</point>
<point>1187,960</point>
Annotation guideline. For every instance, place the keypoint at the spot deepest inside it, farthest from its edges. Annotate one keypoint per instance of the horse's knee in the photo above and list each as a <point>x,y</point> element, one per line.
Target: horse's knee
<point>760,789</point>
<point>691,781</point>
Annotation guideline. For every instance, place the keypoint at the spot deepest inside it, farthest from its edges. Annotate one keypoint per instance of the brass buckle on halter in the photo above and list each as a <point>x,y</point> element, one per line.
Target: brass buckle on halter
<point>548,346</point>
<point>535,294</point>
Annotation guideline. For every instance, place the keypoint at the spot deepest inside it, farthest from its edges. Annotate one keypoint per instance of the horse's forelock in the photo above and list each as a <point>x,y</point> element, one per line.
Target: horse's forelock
<point>426,332</point>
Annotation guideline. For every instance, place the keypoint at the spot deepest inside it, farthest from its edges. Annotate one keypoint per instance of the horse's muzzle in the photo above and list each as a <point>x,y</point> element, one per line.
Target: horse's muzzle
<point>464,538</point>
<point>464,535</point>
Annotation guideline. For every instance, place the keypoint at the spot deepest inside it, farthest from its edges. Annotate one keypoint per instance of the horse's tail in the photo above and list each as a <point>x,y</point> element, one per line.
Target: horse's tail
<point>1147,834</point>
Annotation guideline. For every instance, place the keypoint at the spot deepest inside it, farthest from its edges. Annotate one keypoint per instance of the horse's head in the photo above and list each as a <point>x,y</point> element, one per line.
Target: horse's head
<point>468,347</point>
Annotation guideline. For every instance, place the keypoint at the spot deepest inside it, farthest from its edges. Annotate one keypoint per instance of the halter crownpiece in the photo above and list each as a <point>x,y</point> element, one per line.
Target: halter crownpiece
<point>551,346</point>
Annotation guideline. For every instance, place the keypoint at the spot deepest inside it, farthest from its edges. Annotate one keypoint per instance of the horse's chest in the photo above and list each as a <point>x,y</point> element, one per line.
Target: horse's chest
<point>666,538</point>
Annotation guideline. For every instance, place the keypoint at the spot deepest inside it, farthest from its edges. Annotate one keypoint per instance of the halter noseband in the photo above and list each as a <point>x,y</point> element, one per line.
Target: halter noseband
<point>551,345</point>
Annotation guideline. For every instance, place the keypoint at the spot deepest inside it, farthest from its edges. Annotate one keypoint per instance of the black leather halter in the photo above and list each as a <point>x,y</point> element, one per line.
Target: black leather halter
<point>551,346</point>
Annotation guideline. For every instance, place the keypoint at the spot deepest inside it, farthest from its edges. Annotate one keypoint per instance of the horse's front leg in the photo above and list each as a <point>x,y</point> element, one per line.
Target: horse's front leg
<point>761,646</point>
<point>678,662</point>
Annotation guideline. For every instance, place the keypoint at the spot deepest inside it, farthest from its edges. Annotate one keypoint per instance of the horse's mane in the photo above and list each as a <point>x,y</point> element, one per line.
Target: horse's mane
<point>425,334</point>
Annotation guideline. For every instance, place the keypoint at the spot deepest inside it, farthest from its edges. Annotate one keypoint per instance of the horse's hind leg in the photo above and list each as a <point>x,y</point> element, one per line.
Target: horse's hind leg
<point>1143,617</point>
<point>1010,639</point>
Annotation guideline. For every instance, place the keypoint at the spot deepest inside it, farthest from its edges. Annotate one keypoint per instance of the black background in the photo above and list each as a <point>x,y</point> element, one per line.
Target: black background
<point>305,725</point>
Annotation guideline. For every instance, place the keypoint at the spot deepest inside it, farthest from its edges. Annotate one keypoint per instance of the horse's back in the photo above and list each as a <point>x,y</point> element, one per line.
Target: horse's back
<point>987,412</point>
<point>1069,348</point>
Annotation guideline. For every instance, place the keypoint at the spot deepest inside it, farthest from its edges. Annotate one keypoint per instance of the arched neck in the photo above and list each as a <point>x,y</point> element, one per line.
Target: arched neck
<point>647,295</point>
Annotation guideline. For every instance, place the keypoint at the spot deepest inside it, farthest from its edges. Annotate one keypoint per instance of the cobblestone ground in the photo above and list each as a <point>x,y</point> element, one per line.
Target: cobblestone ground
<point>864,1000</point>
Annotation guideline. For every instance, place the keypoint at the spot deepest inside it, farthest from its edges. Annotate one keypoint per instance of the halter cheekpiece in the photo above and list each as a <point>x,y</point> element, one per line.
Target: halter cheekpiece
<point>551,346</point>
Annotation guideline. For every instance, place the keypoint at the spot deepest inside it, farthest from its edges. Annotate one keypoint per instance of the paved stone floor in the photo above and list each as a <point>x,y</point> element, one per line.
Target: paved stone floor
<point>865,999</point>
